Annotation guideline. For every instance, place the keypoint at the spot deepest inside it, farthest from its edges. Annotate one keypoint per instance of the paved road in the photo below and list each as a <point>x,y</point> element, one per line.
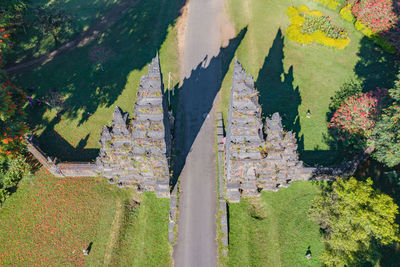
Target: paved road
<point>196,243</point>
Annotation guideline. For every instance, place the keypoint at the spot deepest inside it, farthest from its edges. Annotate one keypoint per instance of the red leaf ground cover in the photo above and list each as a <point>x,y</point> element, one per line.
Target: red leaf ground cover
<point>49,221</point>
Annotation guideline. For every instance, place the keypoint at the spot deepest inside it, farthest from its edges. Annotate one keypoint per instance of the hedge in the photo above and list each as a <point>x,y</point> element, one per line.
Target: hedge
<point>331,4</point>
<point>294,31</point>
<point>376,38</point>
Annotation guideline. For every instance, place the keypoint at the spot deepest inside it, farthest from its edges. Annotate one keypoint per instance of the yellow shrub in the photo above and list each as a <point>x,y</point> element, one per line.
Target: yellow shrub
<point>364,29</point>
<point>303,9</point>
<point>315,13</point>
<point>292,11</point>
<point>297,20</point>
<point>346,13</point>
<point>331,4</point>
<point>378,39</point>
<point>294,33</point>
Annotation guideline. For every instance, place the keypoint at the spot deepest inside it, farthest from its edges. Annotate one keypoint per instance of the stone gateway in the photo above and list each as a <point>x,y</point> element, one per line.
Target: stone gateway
<point>137,151</point>
<point>252,163</point>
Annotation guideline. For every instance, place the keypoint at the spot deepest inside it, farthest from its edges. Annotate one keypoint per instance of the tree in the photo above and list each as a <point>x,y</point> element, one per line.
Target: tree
<point>355,219</point>
<point>52,20</point>
<point>13,165</point>
<point>387,131</point>
<point>355,119</point>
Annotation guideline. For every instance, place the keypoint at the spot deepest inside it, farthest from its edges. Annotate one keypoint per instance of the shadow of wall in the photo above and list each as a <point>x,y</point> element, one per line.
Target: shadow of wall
<point>196,97</point>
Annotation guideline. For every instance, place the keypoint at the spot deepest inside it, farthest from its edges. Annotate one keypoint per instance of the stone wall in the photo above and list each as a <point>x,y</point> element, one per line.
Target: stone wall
<point>252,163</point>
<point>134,152</point>
<point>60,169</point>
<point>137,151</point>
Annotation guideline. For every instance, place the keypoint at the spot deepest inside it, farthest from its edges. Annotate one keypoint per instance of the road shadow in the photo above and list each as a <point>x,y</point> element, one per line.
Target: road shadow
<point>132,42</point>
<point>195,104</point>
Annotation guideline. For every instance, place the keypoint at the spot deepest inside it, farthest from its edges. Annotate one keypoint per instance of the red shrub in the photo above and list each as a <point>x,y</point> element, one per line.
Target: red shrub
<point>379,15</point>
<point>358,113</point>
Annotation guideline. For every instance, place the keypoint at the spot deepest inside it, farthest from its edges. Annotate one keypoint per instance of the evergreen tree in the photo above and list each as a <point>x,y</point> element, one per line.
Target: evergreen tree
<point>387,131</point>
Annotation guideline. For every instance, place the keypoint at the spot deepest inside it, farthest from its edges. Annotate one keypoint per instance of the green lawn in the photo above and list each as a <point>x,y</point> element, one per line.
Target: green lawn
<point>144,239</point>
<point>275,230</point>
<point>92,94</point>
<point>49,221</point>
<point>32,42</point>
<point>293,78</point>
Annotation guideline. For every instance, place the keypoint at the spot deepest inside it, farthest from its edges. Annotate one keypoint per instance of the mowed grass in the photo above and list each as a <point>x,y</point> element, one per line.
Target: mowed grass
<point>283,237</point>
<point>92,94</point>
<point>49,221</point>
<point>143,239</point>
<point>294,78</point>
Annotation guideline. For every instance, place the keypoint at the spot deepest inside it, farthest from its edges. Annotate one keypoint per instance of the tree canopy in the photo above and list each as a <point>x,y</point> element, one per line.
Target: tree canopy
<point>355,219</point>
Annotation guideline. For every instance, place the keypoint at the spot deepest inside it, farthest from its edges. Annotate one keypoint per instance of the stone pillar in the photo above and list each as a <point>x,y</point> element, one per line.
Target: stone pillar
<point>137,152</point>
<point>244,136</point>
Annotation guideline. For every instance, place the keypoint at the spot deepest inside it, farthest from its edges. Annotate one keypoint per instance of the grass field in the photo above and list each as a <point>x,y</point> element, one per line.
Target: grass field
<point>32,42</point>
<point>292,78</point>
<point>274,230</point>
<point>92,94</point>
<point>49,221</point>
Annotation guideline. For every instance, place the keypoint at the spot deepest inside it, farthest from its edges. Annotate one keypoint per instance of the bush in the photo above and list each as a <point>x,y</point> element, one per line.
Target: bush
<point>310,26</point>
<point>358,114</point>
<point>12,170</point>
<point>347,90</point>
<point>378,15</point>
<point>375,37</point>
<point>346,13</point>
<point>331,4</point>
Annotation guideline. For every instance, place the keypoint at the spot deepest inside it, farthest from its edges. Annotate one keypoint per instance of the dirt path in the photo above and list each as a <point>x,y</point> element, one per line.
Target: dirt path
<point>84,38</point>
<point>114,232</point>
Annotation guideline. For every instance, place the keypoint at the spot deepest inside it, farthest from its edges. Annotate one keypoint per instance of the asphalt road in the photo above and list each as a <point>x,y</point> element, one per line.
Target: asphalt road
<point>196,244</point>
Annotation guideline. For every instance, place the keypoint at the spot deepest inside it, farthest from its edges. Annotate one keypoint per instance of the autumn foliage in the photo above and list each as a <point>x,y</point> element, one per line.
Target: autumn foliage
<point>358,113</point>
<point>378,15</point>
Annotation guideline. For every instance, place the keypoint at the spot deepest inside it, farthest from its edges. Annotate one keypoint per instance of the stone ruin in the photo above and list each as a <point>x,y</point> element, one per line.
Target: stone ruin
<point>252,163</point>
<point>137,151</point>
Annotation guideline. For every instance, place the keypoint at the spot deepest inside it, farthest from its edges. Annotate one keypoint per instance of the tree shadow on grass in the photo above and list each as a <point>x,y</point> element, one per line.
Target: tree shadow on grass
<point>196,97</point>
<point>134,41</point>
<point>277,93</point>
<point>375,68</point>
